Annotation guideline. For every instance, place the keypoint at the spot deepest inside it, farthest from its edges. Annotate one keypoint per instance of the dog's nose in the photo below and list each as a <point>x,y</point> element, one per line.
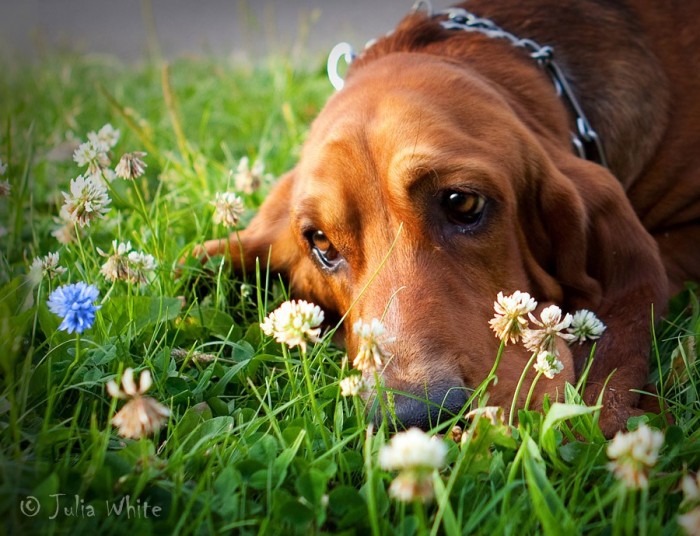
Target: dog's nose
<point>425,412</point>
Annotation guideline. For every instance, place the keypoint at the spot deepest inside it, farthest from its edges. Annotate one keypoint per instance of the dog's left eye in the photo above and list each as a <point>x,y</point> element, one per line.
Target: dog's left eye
<point>463,208</point>
<point>323,248</point>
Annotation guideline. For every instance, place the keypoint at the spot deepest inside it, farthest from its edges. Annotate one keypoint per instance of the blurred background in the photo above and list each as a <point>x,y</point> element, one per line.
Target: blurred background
<point>243,29</point>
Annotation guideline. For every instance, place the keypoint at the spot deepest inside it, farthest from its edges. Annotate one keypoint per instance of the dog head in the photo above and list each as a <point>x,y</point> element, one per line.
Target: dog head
<point>421,192</point>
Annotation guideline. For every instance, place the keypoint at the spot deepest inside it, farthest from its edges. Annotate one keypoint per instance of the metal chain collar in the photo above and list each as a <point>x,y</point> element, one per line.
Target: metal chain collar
<point>585,139</point>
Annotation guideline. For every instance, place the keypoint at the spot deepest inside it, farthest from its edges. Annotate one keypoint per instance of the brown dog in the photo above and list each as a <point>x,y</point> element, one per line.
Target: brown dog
<point>454,146</point>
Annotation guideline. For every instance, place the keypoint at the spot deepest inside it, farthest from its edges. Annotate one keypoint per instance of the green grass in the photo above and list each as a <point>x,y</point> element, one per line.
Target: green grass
<point>244,451</point>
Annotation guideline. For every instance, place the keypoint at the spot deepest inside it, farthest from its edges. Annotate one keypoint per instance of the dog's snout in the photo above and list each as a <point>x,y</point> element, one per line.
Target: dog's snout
<point>424,408</point>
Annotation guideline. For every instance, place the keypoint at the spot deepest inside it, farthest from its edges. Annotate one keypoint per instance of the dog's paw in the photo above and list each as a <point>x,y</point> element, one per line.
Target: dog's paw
<point>210,248</point>
<point>618,405</point>
<point>614,419</point>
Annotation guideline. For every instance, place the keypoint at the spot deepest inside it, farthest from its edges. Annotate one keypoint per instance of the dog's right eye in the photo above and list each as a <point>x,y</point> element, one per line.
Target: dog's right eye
<point>324,250</point>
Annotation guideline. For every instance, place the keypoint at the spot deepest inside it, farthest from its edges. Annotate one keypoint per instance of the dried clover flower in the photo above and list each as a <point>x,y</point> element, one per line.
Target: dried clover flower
<point>228,209</point>
<point>47,266</point>
<point>371,350</point>
<point>131,166</point>
<point>141,415</point>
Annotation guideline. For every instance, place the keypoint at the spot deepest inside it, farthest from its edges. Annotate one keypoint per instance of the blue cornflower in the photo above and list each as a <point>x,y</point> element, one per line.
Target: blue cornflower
<point>74,303</point>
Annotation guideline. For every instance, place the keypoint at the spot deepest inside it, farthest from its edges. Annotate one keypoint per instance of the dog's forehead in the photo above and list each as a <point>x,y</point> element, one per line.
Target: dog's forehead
<point>385,141</point>
<point>386,153</point>
<point>393,125</point>
<point>401,110</point>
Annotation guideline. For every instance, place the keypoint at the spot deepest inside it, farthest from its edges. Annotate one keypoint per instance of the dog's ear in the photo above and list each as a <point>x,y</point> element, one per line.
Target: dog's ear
<point>267,237</point>
<point>592,250</point>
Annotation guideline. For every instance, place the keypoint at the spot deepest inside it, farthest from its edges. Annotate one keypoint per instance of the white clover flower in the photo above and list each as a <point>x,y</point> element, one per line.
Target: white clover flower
<point>92,154</point>
<point>411,485</point>
<point>124,264</point>
<point>116,267</point>
<point>352,385</point>
<point>5,188</point>
<point>141,415</point>
<point>415,455</point>
<point>585,325</point>
<point>106,137</point>
<point>3,167</point>
<point>548,363</point>
<point>131,166</point>
<point>47,266</point>
<point>139,266</point>
<point>247,179</point>
<point>412,449</point>
<point>228,208</point>
<point>691,488</point>
<point>633,454</point>
<point>294,323</point>
<point>551,326</point>
<point>509,322</point>
<point>371,341</point>
<point>87,200</point>
<point>690,522</point>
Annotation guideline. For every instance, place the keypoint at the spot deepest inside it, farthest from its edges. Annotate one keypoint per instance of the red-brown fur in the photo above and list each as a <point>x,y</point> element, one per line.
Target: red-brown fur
<point>425,110</point>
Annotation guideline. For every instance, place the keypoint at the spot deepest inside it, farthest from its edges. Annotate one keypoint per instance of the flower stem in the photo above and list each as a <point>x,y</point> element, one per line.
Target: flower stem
<point>359,409</point>
<point>108,293</point>
<point>144,212</point>
<point>521,381</point>
<point>359,412</point>
<point>419,510</point>
<point>312,397</point>
<point>532,390</point>
<point>515,470</point>
<point>290,372</point>
<point>72,364</point>
<point>369,471</point>
<point>385,405</point>
<point>492,374</point>
<point>80,247</point>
